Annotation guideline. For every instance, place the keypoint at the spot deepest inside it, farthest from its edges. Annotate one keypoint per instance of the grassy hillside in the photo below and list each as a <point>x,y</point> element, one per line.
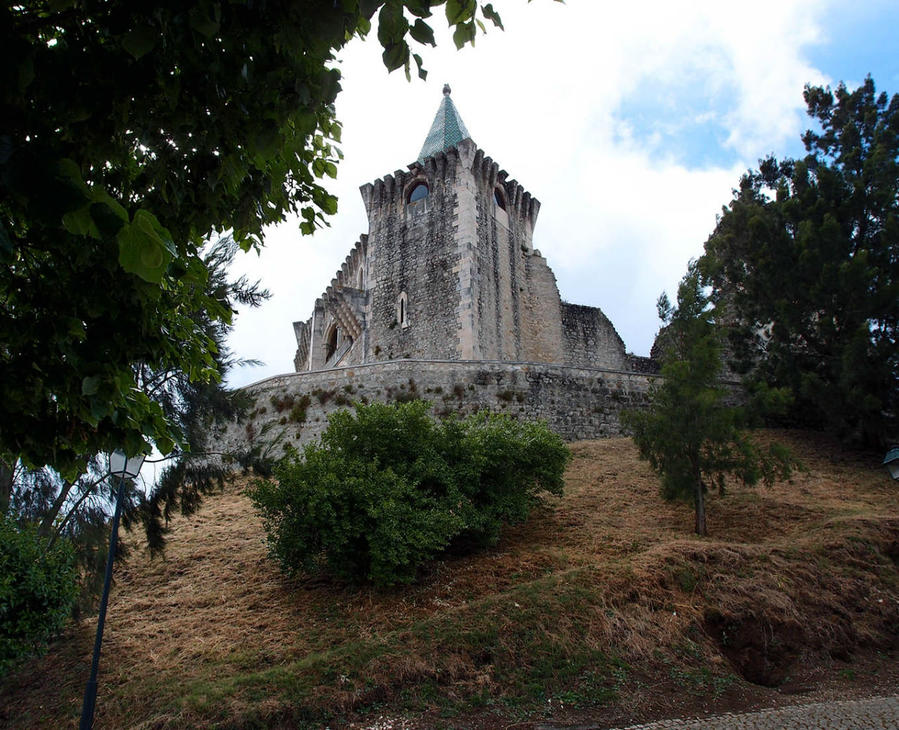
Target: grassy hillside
<point>603,605</point>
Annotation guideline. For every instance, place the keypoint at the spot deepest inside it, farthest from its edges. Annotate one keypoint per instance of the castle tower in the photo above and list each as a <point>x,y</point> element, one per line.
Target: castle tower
<point>448,271</point>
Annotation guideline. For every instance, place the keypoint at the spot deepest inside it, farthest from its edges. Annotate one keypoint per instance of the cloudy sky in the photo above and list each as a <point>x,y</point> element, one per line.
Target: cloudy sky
<point>631,122</point>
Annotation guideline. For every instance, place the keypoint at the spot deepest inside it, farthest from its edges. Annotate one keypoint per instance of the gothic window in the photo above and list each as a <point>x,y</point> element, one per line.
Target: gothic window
<point>419,192</point>
<point>331,342</point>
<point>402,310</point>
<point>499,198</point>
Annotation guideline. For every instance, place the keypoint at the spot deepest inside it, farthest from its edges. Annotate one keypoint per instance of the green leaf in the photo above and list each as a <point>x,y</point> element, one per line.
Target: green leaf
<point>419,8</point>
<point>143,248</point>
<point>422,72</point>
<point>392,25</point>
<point>396,55</point>
<point>80,223</point>
<point>329,205</point>
<point>69,171</point>
<point>458,11</point>
<point>91,385</point>
<point>165,445</point>
<point>99,195</point>
<point>139,41</point>
<point>491,14</point>
<point>423,33</point>
<point>464,33</point>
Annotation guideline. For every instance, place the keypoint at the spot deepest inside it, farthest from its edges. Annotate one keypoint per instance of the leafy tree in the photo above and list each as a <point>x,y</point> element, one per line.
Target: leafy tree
<point>806,260</point>
<point>37,588</point>
<point>75,511</point>
<point>388,488</point>
<point>689,434</point>
<point>131,132</point>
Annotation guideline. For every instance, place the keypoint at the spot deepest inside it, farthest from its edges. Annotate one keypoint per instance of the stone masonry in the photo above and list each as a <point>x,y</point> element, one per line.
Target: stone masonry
<point>446,298</point>
<point>577,403</point>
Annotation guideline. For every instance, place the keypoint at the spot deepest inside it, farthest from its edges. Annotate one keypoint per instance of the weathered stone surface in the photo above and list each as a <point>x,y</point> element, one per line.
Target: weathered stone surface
<point>446,299</point>
<point>577,403</point>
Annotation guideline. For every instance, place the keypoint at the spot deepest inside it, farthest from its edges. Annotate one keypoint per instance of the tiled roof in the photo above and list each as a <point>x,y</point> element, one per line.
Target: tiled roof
<point>447,130</point>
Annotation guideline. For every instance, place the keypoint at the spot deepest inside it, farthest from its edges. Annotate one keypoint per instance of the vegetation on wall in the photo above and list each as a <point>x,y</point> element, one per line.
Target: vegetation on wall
<point>388,488</point>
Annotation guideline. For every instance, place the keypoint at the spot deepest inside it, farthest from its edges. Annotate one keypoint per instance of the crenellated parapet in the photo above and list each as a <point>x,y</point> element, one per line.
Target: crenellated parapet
<point>391,192</point>
<point>518,202</point>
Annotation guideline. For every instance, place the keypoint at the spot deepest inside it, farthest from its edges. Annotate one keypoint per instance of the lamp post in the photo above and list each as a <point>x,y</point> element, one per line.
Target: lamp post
<point>891,462</point>
<point>121,467</point>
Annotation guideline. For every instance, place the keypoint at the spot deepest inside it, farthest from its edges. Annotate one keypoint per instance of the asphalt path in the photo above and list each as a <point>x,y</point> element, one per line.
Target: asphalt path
<point>869,714</point>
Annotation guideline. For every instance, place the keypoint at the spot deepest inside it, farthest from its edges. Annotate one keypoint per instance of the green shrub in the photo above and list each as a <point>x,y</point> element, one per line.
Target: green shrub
<point>388,488</point>
<point>37,589</point>
<point>298,411</point>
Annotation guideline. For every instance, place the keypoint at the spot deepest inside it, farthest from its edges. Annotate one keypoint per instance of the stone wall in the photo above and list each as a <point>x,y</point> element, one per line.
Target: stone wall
<point>577,403</point>
<point>590,339</point>
<point>412,253</point>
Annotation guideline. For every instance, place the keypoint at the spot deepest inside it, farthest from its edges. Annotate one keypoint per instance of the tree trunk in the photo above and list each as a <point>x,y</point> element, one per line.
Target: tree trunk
<point>700,508</point>
<point>46,525</point>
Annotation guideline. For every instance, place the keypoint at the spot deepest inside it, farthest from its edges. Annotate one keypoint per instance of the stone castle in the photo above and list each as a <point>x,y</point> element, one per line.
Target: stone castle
<point>448,271</point>
<point>447,299</point>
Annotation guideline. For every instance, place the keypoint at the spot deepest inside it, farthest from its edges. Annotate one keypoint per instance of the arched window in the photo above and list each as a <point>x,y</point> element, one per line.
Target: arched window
<point>402,310</point>
<point>499,198</point>
<point>331,342</point>
<point>419,192</point>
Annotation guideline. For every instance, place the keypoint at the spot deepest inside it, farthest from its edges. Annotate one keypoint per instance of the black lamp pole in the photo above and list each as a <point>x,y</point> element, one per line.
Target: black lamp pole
<point>130,468</point>
<point>90,692</point>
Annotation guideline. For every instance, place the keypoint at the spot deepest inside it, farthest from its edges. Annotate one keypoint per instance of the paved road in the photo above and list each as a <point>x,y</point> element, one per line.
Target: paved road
<point>869,714</point>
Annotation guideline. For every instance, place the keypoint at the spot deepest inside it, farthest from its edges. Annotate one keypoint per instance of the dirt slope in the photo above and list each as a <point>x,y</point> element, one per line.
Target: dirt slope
<point>603,607</point>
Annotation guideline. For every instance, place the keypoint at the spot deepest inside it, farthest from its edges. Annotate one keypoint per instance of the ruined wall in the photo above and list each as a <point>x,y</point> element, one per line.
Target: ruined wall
<point>577,403</point>
<point>590,339</point>
<point>541,313</point>
<point>335,334</point>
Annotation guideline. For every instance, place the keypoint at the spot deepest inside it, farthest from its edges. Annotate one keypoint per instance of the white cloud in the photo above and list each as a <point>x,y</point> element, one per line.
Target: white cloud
<point>621,214</point>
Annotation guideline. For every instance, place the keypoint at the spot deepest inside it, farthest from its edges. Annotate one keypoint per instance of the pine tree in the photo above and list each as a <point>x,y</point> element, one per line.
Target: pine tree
<point>690,435</point>
<point>806,258</point>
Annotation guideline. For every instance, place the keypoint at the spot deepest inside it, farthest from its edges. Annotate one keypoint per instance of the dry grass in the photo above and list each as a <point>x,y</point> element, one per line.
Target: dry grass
<point>602,594</point>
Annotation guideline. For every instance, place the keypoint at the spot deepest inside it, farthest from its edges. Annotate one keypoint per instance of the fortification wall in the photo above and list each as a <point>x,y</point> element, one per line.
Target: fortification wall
<point>577,403</point>
<point>590,339</point>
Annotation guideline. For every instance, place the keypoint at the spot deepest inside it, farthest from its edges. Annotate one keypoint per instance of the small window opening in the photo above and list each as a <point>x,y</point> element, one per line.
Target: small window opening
<point>499,198</point>
<point>402,310</point>
<point>419,192</point>
<point>360,279</point>
<point>331,345</point>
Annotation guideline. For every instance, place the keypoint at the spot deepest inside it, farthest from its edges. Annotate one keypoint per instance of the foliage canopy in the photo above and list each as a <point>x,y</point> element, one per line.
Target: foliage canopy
<point>388,488</point>
<point>690,435</point>
<point>805,261</point>
<point>131,132</point>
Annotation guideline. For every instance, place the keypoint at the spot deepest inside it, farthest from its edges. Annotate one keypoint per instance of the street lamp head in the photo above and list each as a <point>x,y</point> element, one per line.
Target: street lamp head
<point>891,462</point>
<point>124,468</point>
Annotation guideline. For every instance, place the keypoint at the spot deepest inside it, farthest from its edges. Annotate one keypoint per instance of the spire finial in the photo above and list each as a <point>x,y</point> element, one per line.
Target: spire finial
<point>447,129</point>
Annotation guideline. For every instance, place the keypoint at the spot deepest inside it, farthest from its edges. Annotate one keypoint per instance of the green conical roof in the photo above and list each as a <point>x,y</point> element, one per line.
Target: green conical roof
<point>447,130</point>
